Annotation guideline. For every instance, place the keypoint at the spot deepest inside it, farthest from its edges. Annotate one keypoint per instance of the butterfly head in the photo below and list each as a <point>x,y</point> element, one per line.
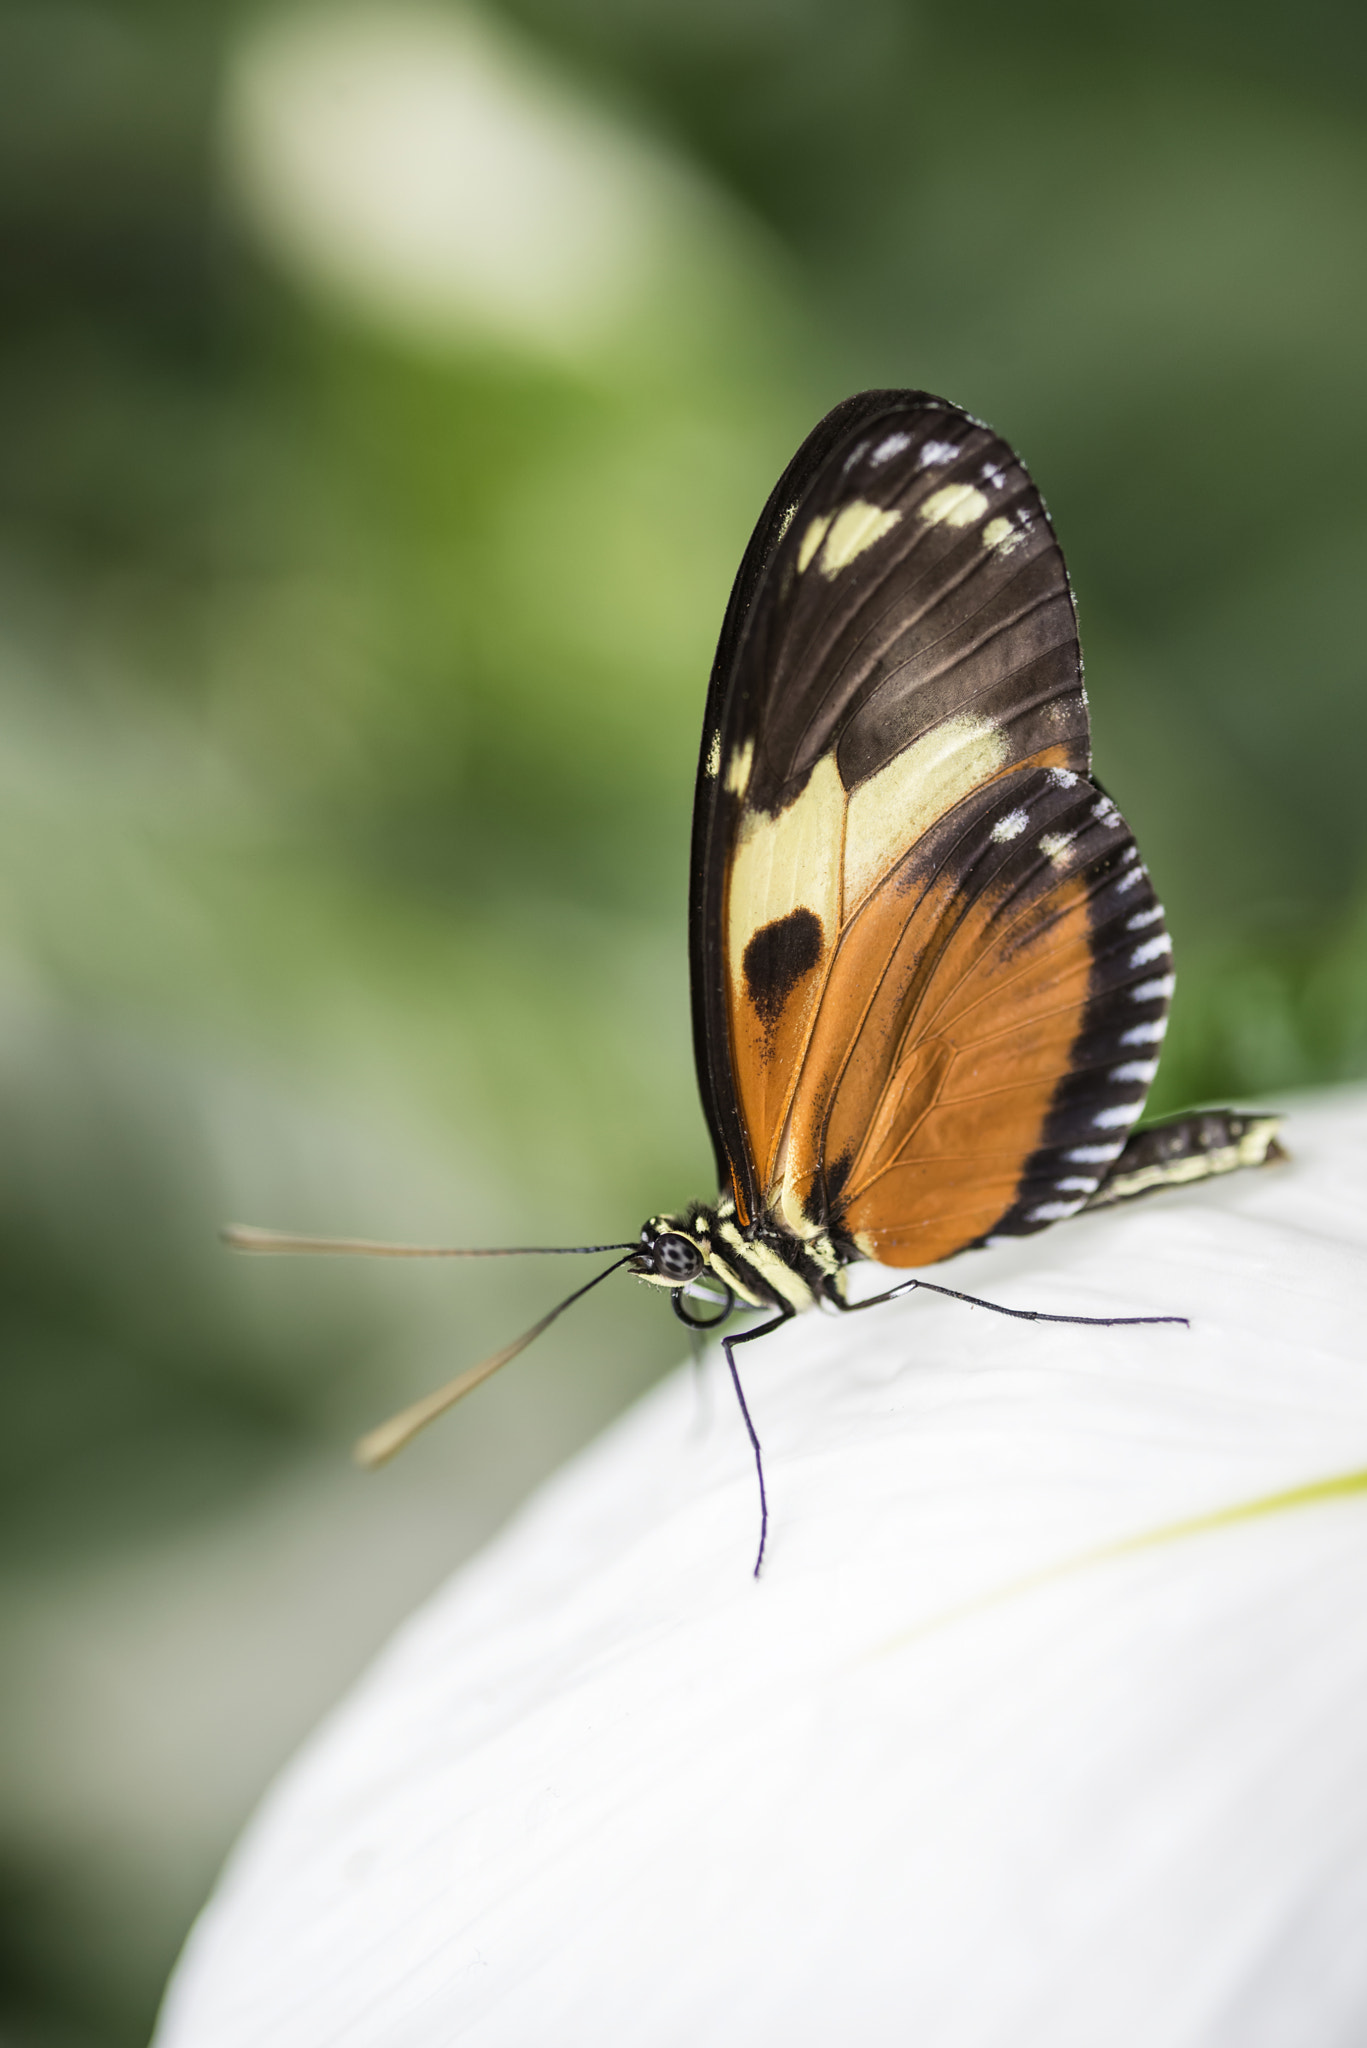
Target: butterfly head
<point>675,1250</point>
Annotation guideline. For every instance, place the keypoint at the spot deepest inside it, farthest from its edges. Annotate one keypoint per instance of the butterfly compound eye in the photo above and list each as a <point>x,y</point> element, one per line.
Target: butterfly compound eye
<point>676,1258</point>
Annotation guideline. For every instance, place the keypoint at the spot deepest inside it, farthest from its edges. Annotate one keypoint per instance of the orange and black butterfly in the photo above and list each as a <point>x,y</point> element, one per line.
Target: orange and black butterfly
<point>930,974</point>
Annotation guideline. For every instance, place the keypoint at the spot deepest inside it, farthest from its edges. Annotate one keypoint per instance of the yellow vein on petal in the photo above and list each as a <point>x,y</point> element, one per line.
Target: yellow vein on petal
<point>1316,1493</point>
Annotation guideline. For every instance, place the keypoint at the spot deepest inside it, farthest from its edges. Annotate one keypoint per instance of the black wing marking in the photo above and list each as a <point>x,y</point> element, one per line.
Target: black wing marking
<point>1115,1055</point>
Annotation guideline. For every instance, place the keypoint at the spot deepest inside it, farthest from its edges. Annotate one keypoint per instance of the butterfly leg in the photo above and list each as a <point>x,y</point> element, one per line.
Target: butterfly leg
<point>1024,1315</point>
<point>728,1345</point>
<point>849,1308</point>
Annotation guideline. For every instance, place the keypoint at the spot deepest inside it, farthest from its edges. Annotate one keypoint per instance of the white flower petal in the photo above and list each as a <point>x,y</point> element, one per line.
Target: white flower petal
<point>1013,1744</point>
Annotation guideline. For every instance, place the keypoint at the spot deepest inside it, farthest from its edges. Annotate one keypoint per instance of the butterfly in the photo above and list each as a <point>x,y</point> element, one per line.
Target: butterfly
<point>930,974</point>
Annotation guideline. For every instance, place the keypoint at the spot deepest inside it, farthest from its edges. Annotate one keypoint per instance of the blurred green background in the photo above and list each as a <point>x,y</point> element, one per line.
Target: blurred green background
<point>387,396</point>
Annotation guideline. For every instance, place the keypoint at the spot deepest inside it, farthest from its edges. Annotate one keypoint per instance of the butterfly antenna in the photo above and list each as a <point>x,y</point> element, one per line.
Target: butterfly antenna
<point>246,1237</point>
<point>379,1445</point>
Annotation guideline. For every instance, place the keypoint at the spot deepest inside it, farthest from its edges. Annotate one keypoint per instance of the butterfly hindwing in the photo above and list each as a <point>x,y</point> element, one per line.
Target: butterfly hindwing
<point>995,1068</point>
<point>914,916</point>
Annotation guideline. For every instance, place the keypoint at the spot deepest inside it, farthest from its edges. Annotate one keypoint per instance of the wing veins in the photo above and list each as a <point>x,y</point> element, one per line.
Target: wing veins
<point>970,567</point>
<point>1007,981</point>
<point>920,1025</point>
<point>947,669</point>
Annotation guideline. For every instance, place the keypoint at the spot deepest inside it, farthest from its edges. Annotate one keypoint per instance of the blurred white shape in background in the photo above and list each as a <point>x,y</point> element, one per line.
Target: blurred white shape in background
<point>426,169</point>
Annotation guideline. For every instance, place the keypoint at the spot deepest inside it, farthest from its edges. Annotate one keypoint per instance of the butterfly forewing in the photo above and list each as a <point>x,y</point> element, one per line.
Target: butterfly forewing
<point>914,918</point>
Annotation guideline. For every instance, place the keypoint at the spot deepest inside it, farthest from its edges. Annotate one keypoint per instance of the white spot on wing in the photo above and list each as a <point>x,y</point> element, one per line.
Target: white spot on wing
<point>1094,1155</point>
<point>738,768</point>
<point>1152,1033</point>
<point>892,445</point>
<point>1118,1113</point>
<point>812,539</point>
<point>1150,991</point>
<point>992,476</point>
<point>1011,826</point>
<point>935,453</point>
<point>1143,917</point>
<point>856,527</point>
<point>1062,778</point>
<point>1001,536</point>
<point>1131,879</point>
<point>1055,845</point>
<point>714,756</point>
<point>953,505</point>
<point>1106,813</point>
<point>1077,1184</point>
<point>1152,949</point>
<point>1134,1070</point>
<point>1052,1212</point>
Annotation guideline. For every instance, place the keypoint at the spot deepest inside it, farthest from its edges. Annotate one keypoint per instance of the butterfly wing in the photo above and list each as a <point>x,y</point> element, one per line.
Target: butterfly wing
<point>929,973</point>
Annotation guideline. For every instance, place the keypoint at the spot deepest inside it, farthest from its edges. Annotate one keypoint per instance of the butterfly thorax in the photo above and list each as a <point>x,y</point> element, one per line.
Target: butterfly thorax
<point>764,1265</point>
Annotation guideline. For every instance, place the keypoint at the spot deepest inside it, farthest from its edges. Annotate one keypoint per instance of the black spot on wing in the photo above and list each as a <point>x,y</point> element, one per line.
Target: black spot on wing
<point>823,1197</point>
<point>776,959</point>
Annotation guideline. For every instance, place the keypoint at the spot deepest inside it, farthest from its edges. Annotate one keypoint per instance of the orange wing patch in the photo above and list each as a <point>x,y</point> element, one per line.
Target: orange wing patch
<point>951,1016</point>
<point>952,1132</point>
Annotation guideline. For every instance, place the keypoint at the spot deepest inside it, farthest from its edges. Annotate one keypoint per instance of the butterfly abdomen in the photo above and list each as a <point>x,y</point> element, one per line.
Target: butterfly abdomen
<point>1182,1149</point>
